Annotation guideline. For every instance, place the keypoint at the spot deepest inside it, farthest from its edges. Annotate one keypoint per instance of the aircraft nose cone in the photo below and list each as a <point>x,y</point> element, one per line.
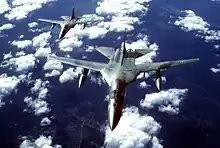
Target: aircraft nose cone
<point>113,124</point>
<point>114,116</point>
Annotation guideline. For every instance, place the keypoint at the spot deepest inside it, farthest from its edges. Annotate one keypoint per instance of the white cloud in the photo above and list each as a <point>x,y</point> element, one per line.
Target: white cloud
<point>41,40</point>
<point>21,36</point>
<point>69,75</point>
<point>20,53</point>
<point>143,84</point>
<point>118,24</point>
<point>133,130</point>
<point>22,44</point>
<point>53,65</point>
<point>97,80</point>
<point>53,73</point>
<point>7,27</point>
<point>43,52</point>
<point>21,8</point>
<point>40,88</point>
<point>192,22</point>
<point>215,70</point>
<point>121,7</point>
<point>167,101</point>
<point>4,6</point>
<point>36,86</point>
<point>7,85</point>
<point>7,56</point>
<point>32,25</point>
<point>45,121</point>
<point>39,106</point>
<point>24,63</point>
<point>41,142</point>
<point>67,44</point>
<point>216,46</point>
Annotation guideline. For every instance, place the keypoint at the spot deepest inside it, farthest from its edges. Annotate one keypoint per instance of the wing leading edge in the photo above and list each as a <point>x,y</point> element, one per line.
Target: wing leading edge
<point>52,21</point>
<point>95,66</point>
<point>145,67</point>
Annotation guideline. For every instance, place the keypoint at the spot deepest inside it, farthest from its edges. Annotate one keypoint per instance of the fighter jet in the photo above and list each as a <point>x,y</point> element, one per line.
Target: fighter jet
<point>67,23</point>
<point>121,70</point>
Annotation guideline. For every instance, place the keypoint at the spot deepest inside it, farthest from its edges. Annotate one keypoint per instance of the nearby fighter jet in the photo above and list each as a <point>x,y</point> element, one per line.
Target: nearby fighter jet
<point>120,71</point>
<point>67,23</point>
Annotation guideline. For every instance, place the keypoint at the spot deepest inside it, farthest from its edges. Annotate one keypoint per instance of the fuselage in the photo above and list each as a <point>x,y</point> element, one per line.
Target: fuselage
<point>120,72</point>
<point>67,26</point>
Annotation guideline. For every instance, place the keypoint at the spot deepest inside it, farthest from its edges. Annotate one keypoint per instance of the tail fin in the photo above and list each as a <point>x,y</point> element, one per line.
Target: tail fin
<point>73,13</point>
<point>124,48</point>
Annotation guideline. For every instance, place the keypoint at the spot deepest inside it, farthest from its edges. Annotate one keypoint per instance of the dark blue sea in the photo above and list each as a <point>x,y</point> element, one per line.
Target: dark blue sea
<point>79,114</point>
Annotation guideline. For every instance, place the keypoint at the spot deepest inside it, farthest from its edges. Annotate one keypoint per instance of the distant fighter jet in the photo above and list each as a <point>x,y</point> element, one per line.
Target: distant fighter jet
<point>67,23</point>
<point>119,72</point>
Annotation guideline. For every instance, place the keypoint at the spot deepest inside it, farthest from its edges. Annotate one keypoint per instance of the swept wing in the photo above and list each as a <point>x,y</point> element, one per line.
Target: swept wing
<point>95,66</point>
<point>52,21</point>
<point>145,67</point>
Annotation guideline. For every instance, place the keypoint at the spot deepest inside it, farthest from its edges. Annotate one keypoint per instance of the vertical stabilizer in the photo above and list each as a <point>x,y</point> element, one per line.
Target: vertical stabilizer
<point>124,48</point>
<point>73,14</point>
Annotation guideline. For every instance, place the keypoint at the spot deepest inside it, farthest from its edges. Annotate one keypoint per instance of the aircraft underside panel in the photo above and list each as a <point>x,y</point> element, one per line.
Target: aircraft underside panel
<point>117,96</point>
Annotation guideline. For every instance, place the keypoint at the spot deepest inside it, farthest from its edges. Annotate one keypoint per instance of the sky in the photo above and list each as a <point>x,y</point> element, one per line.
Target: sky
<point>27,51</point>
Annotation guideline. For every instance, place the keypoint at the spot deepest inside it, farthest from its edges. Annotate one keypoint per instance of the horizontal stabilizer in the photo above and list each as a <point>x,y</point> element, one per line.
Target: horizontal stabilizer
<point>106,51</point>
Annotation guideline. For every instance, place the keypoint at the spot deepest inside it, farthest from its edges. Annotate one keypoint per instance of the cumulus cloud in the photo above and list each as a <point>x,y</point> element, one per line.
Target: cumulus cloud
<point>166,100</point>
<point>7,27</point>
<point>69,74</point>
<point>53,73</point>
<point>143,84</point>
<point>21,8</point>
<point>68,44</point>
<point>20,53</point>
<point>4,6</point>
<point>24,63</point>
<point>216,70</point>
<point>38,104</point>
<point>133,130</point>
<point>7,85</point>
<point>32,25</point>
<point>192,22</point>
<point>42,52</point>
<point>45,121</point>
<point>97,80</point>
<point>41,40</point>
<point>53,65</point>
<point>41,142</point>
<point>7,56</point>
<point>22,44</point>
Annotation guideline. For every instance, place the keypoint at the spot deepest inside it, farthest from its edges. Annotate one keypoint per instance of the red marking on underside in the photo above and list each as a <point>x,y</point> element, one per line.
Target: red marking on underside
<point>119,100</point>
<point>65,30</point>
